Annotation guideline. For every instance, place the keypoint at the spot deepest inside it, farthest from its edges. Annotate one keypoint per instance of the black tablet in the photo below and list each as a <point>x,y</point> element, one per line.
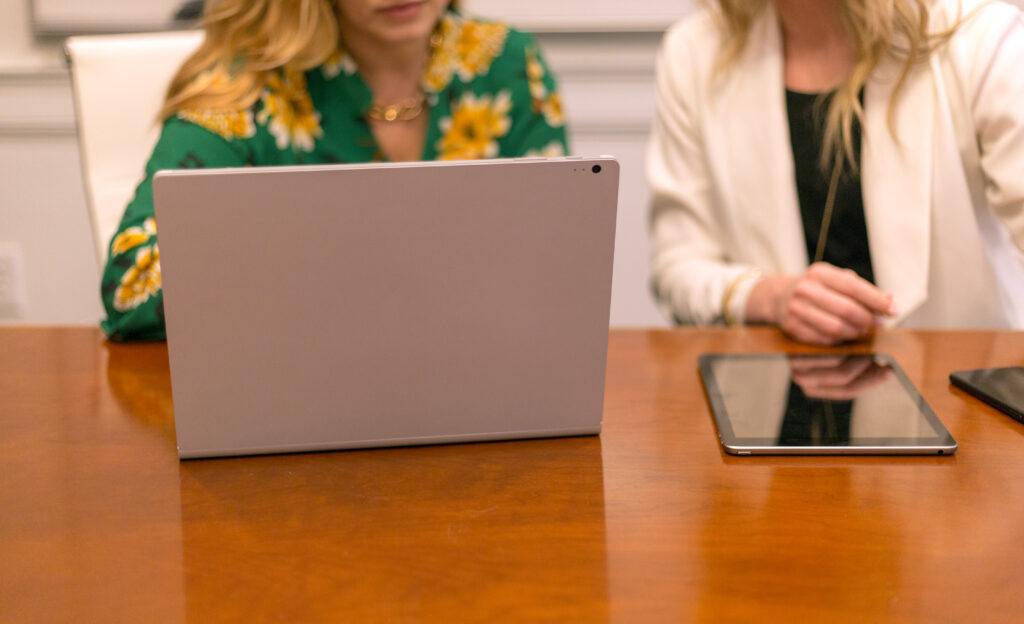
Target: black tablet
<point>1002,388</point>
<point>836,404</point>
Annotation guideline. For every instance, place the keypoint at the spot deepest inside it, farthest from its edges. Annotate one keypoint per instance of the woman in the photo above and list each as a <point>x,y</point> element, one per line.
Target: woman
<point>281,82</point>
<point>769,208</point>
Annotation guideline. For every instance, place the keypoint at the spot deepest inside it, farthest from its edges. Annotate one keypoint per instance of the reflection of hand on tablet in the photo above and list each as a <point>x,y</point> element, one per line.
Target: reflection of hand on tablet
<point>837,378</point>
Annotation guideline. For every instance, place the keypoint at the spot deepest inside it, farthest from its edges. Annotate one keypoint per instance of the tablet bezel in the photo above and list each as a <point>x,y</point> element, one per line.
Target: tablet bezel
<point>942,444</point>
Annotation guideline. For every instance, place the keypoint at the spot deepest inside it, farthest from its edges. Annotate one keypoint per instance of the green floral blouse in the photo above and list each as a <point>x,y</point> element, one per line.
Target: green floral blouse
<point>489,95</point>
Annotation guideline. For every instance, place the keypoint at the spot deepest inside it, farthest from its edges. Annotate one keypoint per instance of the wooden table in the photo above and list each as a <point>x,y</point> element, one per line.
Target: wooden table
<point>100,522</point>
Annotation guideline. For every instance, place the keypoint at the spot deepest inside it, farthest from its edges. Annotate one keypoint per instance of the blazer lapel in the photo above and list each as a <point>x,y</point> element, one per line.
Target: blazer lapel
<point>897,183</point>
<point>749,149</point>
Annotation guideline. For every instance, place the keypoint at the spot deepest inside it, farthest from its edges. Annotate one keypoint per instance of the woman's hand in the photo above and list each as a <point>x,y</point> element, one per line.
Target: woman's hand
<point>824,305</point>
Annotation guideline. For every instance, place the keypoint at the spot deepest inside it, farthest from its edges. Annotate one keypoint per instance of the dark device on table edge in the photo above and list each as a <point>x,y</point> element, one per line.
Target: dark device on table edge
<point>819,404</point>
<point>1002,388</point>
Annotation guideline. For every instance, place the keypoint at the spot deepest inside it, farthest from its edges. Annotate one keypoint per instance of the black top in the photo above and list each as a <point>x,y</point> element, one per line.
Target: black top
<point>846,243</point>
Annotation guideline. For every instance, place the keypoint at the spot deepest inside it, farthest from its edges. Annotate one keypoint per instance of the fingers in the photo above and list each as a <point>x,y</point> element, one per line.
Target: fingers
<point>829,313</point>
<point>846,282</point>
<point>805,332</point>
<point>827,305</point>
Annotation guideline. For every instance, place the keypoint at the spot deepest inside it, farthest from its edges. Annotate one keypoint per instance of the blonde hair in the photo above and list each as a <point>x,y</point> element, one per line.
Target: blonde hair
<point>877,28</point>
<point>245,41</point>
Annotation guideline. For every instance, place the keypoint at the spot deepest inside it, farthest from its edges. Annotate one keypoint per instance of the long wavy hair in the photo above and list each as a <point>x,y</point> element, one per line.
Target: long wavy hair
<point>877,28</point>
<point>245,41</point>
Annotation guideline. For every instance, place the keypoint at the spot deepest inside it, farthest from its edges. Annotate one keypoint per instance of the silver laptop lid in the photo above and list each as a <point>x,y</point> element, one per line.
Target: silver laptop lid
<point>350,306</point>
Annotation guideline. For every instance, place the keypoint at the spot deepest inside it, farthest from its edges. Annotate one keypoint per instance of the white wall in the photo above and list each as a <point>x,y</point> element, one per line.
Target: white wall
<point>607,80</point>
<point>48,274</point>
<point>17,47</point>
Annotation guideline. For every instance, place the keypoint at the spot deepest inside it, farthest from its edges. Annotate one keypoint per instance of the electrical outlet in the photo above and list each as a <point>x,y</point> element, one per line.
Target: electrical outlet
<point>13,300</point>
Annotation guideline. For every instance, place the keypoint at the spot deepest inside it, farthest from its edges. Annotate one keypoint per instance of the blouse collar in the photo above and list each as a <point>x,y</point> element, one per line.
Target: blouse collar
<point>463,49</point>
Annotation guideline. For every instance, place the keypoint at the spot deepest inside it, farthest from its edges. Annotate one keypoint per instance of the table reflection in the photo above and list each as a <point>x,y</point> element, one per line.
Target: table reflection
<point>488,530</point>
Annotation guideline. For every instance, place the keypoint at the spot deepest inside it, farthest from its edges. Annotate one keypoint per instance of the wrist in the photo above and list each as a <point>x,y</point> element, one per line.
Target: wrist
<point>762,304</point>
<point>735,295</point>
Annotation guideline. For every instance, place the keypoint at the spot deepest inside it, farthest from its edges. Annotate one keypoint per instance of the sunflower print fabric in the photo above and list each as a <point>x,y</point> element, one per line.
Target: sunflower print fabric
<point>142,279</point>
<point>228,124</point>
<point>474,127</point>
<point>489,95</point>
<point>288,112</point>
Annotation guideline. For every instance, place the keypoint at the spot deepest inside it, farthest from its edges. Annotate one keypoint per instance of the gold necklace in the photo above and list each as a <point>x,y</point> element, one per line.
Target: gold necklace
<point>826,218</point>
<point>406,110</point>
<point>409,108</point>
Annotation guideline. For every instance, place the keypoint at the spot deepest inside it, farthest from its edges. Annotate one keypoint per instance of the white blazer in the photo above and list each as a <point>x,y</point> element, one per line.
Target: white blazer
<point>944,203</point>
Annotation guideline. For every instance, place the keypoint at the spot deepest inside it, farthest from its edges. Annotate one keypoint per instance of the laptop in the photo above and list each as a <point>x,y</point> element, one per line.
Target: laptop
<point>331,307</point>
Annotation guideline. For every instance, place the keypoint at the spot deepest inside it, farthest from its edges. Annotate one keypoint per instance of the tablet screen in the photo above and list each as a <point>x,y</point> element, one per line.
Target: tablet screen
<point>860,403</point>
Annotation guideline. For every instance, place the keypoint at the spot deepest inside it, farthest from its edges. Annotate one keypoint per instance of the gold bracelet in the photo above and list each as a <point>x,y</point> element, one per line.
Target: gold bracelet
<point>730,290</point>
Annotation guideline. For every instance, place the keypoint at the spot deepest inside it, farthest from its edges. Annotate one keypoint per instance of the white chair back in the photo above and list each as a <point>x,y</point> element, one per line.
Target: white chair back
<point>119,82</point>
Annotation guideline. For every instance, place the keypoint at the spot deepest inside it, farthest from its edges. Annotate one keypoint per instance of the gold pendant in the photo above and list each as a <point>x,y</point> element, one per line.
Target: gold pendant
<point>406,110</point>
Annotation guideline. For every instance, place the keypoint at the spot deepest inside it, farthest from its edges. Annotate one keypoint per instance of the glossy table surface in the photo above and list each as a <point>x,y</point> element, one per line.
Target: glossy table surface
<point>651,521</point>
